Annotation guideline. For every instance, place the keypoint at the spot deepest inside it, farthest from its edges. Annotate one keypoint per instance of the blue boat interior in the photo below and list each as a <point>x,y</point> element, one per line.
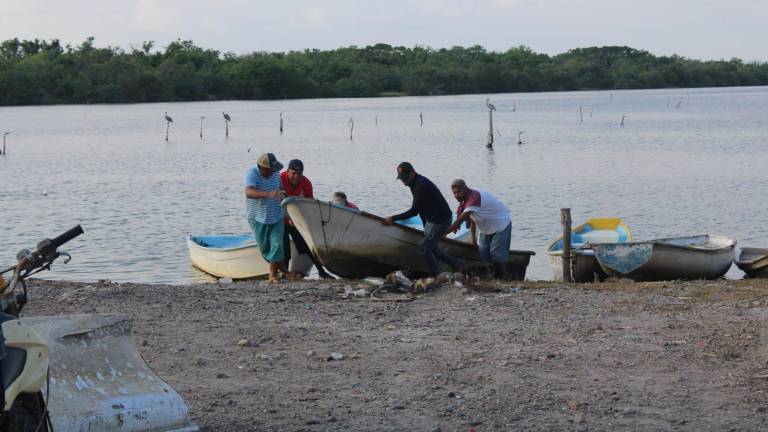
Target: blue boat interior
<point>415,223</point>
<point>224,241</point>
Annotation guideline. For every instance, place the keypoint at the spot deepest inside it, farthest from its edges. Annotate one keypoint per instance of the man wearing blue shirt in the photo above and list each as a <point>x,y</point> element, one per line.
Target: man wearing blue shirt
<point>265,215</point>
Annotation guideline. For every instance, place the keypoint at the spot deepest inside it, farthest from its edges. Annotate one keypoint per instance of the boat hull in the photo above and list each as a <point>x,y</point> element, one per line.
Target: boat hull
<point>355,244</point>
<point>688,258</point>
<point>237,257</point>
<point>753,262</point>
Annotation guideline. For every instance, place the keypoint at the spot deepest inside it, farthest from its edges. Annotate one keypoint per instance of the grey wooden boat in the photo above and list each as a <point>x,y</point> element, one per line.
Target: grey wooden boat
<point>695,257</point>
<point>753,262</point>
<point>354,244</point>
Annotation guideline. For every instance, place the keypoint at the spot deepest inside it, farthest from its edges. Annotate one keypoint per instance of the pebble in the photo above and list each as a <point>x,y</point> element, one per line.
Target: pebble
<point>335,356</point>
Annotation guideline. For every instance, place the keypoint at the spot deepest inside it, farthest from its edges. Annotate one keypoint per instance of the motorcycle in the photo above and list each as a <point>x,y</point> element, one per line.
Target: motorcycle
<point>24,356</point>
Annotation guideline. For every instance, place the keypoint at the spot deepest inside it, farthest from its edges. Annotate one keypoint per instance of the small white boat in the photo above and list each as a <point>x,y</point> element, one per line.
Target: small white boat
<point>595,230</point>
<point>354,244</point>
<point>694,257</point>
<point>753,262</point>
<point>237,257</point>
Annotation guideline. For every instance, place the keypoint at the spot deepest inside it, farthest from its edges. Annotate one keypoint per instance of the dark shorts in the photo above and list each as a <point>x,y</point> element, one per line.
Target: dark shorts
<point>291,232</point>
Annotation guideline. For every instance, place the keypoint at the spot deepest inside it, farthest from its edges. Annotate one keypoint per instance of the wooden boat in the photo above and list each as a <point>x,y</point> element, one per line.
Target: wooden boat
<point>353,244</point>
<point>695,257</point>
<point>237,257</point>
<point>595,230</point>
<point>753,262</point>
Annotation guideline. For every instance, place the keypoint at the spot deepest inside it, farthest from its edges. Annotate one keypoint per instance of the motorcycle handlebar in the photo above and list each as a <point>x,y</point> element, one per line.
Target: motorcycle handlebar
<point>56,242</point>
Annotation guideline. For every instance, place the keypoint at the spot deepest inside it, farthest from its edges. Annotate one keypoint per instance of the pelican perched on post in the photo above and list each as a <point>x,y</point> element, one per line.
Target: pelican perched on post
<point>168,121</point>
<point>491,109</point>
<point>4,135</point>
<point>227,119</point>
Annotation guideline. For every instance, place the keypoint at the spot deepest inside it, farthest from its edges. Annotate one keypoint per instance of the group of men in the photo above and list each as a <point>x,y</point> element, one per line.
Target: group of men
<point>265,187</point>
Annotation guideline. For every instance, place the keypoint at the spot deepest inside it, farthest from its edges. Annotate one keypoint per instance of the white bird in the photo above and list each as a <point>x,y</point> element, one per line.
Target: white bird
<point>226,116</point>
<point>489,104</point>
<point>168,118</point>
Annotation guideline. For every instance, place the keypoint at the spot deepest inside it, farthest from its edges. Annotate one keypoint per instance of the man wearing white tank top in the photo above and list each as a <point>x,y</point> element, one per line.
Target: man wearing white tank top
<point>489,221</point>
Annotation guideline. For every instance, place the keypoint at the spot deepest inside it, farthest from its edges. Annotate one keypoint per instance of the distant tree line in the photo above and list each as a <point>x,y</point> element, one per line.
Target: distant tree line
<point>45,72</point>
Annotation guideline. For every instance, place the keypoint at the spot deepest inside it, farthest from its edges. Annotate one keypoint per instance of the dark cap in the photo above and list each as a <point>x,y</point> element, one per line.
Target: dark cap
<point>268,160</point>
<point>404,170</point>
<point>296,165</point>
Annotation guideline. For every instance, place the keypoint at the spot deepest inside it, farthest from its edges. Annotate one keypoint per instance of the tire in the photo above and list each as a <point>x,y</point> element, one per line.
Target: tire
<point>18,419</point>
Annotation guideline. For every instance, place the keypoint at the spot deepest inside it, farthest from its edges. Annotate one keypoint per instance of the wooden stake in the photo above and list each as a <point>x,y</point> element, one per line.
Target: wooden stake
<point>581,116</point>
<point>421,119</point>
<point>351,125</point>
<point>490,129</point>
<point>565,220</point>
<point>281,123</point>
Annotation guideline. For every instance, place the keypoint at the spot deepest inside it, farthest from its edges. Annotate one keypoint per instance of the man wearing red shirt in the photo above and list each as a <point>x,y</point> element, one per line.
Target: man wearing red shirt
<point>295,184</point>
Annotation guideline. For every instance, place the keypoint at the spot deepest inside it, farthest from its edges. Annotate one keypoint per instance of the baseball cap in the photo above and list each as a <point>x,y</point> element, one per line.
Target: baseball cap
<point>404,170</point>
<point>296,165</point>
<point>268,160</point>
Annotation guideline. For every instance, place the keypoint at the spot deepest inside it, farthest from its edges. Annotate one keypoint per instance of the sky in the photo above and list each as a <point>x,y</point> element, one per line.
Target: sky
<point>697,29</point>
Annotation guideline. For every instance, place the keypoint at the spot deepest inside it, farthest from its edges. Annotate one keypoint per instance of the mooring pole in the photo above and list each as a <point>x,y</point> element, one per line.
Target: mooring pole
<point>565,220</point>
<point>281,123</point>
<point>490,129</point>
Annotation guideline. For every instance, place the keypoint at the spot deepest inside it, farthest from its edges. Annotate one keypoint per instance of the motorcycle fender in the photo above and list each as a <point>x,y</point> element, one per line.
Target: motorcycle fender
<point>23,345</point>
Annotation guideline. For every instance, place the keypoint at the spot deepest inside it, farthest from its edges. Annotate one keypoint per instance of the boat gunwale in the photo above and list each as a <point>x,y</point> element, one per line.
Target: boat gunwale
<point>381,219</point>
<point>659,243</point>
<point>190,240</point>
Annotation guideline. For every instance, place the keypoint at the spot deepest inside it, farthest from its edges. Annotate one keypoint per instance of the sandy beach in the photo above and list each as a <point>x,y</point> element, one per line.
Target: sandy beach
<point>539,356</point>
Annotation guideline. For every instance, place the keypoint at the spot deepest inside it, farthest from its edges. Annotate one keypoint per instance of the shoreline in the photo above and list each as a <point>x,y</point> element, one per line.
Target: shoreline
<point>517,355</point>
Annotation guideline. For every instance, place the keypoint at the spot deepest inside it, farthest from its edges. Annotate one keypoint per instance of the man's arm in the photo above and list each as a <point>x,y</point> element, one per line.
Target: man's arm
<point>418,197</point>
<point>252,192</point>
<point>460,220</point>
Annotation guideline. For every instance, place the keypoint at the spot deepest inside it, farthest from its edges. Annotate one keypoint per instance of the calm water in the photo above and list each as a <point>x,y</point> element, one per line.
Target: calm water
<point>685,162</point>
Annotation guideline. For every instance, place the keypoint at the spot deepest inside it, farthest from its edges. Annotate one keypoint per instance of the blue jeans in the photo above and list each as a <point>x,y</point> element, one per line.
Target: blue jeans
<point>429,246</point>
<point>495,247</point>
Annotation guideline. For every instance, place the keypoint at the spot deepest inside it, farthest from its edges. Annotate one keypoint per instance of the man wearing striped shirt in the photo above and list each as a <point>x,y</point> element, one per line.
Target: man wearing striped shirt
<point>265,215</point>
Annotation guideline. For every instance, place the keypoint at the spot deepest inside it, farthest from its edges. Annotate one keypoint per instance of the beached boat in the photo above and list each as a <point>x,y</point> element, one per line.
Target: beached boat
<point>596,230</point>
<point>352,243</point>
<point>753,262</point>
<point>695,257</point>
<point>237,257</point>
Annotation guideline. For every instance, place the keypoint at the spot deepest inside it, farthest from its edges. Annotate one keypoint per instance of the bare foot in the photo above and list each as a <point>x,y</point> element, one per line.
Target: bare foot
<point>274,279</point>
<point>291,276</point>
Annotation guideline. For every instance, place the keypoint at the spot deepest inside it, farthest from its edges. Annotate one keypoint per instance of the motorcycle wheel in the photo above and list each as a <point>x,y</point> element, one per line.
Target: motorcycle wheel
<point>18,419</point>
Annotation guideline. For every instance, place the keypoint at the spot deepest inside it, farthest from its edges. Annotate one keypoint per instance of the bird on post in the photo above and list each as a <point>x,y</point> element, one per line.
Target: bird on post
<point>168,121</point>
<point>227,119</point>
<point>488,104</point>
<point>226,116</point>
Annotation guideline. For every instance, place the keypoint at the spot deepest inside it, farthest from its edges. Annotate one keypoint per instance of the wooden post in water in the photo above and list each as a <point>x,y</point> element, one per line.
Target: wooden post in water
<point>281,123</point>
<point>421,118</point>
<point>4,152</point>
<point>201,126</point>
<point>581,116</point>
<point>565,220</point>
<point>490,129</point>
<point>351,125</point>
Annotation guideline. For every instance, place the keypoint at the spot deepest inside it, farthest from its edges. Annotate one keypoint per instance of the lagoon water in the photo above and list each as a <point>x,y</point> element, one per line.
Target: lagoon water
<point>684,162</point>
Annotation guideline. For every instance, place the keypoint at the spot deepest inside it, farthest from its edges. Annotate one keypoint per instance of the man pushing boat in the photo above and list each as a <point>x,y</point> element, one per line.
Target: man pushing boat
<point>490,217</point>
<point>435,214</point>
<point>265,215</point>
<point>295,183</point>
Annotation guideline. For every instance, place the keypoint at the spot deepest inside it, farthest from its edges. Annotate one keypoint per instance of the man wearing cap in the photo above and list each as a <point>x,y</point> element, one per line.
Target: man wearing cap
<point>296,184</point>
<point>262,203</point>
<point>434,212</point>
<point>488,216</point>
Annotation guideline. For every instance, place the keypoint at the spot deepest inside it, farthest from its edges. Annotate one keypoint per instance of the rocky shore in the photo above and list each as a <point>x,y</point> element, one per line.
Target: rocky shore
<point>541,356</point>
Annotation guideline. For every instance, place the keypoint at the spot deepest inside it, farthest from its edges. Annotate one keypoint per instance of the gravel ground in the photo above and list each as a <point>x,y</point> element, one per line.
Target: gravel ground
<point>542,356</point>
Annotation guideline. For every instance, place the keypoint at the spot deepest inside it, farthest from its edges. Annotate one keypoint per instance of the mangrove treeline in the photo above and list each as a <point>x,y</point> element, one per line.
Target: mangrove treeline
<point>45,72</point>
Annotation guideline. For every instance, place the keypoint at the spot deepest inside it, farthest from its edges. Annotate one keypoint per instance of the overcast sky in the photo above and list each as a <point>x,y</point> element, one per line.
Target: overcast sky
<point>699,29</point>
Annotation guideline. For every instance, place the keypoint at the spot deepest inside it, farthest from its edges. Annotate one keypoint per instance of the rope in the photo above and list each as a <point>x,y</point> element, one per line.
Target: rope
<point>324,222</point>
